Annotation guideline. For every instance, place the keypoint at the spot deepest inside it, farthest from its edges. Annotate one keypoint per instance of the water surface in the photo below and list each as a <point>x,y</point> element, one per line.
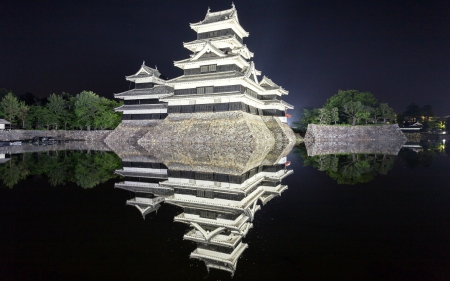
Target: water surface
<point>343,217</point>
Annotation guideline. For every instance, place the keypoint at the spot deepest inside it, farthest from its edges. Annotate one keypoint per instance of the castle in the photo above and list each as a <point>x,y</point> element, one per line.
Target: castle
<point>220,86</point>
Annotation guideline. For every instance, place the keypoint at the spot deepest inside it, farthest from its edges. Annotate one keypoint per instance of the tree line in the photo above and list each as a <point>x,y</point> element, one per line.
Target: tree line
<point>60,167</point>
<point>348,107</point>
<point>85,110</point>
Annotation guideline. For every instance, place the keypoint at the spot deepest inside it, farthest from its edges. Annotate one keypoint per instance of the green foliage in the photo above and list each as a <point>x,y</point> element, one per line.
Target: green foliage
<point>85,169</point>
<point>309,116</point>
<point>22,113</point>
<point>324,116</point>
<point>348,168</point>
<point>345,107</point>
<point>65,111</point>
<point>334,115</point>
<point>10,107</point>
<point>13,171</point>
<point>354,110</point>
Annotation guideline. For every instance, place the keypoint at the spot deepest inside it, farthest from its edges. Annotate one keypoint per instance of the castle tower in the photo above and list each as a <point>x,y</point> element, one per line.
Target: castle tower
<point>143,102</point>
<point>220,76</point>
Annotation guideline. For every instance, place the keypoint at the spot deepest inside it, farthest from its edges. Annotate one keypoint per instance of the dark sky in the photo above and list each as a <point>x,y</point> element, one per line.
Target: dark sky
<point>398,50</point>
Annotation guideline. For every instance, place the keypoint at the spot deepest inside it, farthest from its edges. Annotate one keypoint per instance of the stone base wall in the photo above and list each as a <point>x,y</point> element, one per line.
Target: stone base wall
<point>96,136</point>
<point>225,128</point>
<point>317,133</point>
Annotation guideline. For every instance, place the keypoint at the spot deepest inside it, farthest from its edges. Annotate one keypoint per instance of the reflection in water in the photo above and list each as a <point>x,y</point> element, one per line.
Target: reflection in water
<point>85,168</point>
<point>217,204</point>
<point>349,168</point>
<point>361,161</point>
<point>423,153</point>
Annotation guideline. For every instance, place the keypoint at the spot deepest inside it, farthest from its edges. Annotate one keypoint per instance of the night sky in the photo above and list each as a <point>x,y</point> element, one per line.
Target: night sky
<point>398,50</point>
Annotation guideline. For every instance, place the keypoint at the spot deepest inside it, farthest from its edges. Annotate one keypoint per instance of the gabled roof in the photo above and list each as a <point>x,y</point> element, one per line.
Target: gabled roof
<point>145,72</point>
<point>251,72</point>
<point>146,205</point>
<point>206,77</point>
<point>225,18</point>
<point>268,84</point>
<point>157,91</point>
<point>243,51</point>
<point>219,16</point>
<point>3,121</point>
<point>140,107</point>
<point>208,48</point>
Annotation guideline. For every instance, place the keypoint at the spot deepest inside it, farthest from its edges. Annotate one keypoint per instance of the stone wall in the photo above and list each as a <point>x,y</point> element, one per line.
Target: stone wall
<point>317,133</point>
<point>234,141</point>
<point>328,139</point>
<point>96,136</point>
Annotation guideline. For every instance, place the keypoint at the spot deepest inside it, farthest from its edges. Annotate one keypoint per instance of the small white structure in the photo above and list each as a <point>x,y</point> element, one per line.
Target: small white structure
<point>3,124</point>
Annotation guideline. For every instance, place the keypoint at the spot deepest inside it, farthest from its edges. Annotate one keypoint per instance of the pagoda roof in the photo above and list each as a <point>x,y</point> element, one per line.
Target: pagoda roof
<point>140,107</point>
<point>243,51</point>
<point>157,91</point>
<point>218,16</point>
<point>245,205</point>
<point>143,174</point>
<point>135,187</point>
<point>268,84</point>
<point>196,97</point>
<point>3,121</point>
<point>287,105</point>
<point>236,58</point>
<point>240,226</point>
<point>214,259</point>
<point>245,73</point>
<point>225,17</point>
<point>146,205</point>
<point>207,49</point>
<point>192,45</point>
<point>145,71</point>
<point>219,239</point>
<point>207,77</point>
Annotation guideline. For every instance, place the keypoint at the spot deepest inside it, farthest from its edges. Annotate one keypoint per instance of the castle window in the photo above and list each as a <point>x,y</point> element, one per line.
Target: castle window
<point>205,90</point>
<point>208,68</point>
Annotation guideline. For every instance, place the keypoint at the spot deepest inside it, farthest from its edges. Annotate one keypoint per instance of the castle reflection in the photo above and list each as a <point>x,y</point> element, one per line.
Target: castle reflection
<point>219,202</point>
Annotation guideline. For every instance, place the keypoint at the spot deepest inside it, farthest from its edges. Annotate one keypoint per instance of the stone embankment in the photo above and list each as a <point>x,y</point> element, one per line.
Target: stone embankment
<point>351,133</point>
<point>413,137</point>
<point>95,136</point>
<point>206,139</point>
<point>328,139</point>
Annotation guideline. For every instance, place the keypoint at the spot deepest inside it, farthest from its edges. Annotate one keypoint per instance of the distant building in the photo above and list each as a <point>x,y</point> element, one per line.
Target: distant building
<point>4,124</point>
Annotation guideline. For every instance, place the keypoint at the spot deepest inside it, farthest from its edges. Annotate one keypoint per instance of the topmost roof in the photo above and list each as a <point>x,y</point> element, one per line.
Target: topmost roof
<point>145,71</point>
<point>219,16</point>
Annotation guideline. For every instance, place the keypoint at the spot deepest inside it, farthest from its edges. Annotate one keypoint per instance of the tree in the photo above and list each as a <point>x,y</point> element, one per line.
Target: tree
<point>343,97</point>
<point>4,92</point>
<point>86,107</point>
<point>57,106</point>
<point>22,114</point>
<point>324,116</point>
<point>10,106</point>
<point>309,116</point>
<point>354,110</point>
<point>334,114</point>
<point>375,113</point>
<point>106,118</point>
<point>428,112</point>
<point>386,112</point>
<point>413,112</point>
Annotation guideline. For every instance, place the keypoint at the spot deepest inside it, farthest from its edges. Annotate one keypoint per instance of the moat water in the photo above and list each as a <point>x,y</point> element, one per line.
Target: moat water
<point>342,217</point>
